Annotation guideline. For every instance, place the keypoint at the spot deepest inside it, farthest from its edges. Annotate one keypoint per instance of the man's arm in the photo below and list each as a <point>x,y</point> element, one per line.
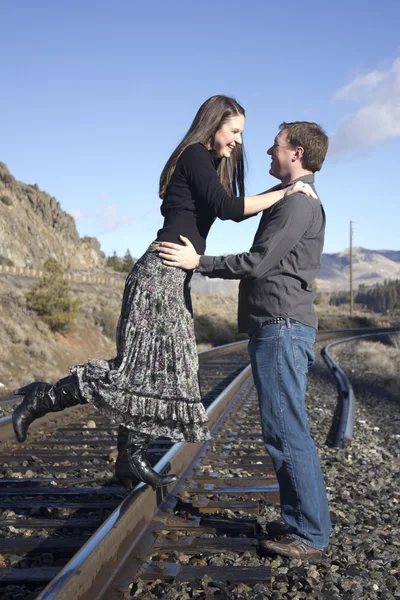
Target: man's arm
<point>288,222</point>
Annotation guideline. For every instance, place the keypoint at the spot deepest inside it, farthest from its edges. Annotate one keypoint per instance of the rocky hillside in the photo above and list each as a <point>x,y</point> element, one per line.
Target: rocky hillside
<point>34,227</point>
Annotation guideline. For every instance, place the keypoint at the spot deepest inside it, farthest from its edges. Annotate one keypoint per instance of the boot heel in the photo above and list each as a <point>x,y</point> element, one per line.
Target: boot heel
<point>127,483</point>
<point>131,462</point>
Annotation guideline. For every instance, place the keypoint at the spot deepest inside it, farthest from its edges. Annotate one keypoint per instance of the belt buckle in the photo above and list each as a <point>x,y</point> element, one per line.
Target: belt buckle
<point>273,321</point>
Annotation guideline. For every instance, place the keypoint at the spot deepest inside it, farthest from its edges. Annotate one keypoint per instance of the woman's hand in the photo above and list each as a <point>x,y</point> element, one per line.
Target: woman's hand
<point>175,255</point>
<point>300,187</point>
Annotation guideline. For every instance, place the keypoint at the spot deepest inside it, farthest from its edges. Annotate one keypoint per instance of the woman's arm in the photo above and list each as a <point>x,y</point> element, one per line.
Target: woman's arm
<point>203,178</point>
<point>255,204</point>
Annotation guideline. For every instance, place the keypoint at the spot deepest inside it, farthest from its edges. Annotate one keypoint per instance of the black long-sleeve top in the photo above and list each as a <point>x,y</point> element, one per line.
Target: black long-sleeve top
<point>195,197</point>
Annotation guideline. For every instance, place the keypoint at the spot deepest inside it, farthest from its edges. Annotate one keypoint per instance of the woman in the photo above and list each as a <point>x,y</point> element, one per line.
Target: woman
<point>151,388</point>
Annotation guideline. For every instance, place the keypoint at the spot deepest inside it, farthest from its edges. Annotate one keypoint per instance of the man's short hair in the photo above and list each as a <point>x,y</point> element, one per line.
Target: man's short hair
<point>312,138</point>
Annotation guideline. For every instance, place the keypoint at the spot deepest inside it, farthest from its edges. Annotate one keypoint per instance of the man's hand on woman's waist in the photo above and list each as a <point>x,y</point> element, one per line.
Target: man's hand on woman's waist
<point>175,255</point>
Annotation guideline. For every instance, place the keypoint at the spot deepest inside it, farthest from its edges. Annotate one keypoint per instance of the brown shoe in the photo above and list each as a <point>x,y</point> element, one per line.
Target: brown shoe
<point>292,548</point>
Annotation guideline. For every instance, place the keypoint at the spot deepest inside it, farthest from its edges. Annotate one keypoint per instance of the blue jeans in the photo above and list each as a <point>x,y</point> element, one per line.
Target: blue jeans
<point>280,358</point>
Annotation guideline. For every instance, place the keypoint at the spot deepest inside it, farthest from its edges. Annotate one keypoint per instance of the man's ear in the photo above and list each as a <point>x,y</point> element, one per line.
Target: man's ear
<point>298,153</point>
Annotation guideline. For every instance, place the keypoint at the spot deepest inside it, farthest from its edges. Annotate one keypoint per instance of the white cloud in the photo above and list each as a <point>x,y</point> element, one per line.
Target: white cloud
<point>358,87</point>
<point>111,223</point>
<point>106,219</point>
<point>377,117</point>
<point>108,211</point>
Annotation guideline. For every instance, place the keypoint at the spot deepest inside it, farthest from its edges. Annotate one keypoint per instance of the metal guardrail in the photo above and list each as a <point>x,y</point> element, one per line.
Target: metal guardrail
<point>109,279</point>
<point>341,430</point>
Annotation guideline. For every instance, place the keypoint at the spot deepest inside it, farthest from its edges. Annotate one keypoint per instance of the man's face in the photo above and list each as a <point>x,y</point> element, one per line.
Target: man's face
<point>281,156</point>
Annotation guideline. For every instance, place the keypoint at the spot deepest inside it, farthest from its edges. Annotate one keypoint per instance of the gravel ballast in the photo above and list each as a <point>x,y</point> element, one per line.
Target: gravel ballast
<point>363,484</point>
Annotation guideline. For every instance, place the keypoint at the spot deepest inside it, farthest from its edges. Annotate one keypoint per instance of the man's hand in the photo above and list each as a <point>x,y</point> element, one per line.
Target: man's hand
<point>174,255</point>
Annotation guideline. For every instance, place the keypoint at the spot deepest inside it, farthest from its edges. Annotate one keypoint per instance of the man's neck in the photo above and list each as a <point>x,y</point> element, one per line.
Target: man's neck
<point>296,174</point>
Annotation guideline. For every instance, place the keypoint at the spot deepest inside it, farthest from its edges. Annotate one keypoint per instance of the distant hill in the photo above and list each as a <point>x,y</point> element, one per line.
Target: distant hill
<point>369,267</point>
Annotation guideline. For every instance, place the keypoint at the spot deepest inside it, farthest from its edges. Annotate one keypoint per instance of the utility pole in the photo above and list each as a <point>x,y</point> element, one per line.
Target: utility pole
<point>351,270</point>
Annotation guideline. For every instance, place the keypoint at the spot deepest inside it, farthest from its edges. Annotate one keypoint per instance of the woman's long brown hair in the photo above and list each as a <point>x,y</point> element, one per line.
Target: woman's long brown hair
<point>209,119</point>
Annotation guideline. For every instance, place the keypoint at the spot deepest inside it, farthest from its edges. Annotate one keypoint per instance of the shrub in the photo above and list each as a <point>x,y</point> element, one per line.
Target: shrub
<point>51,298</point>
<point>6,261</point>
<point>107,320</point>
<point>6,200</point>
<point>5,175</point>
<point>114,262</point>
<point>127,262</point>
<point>122,265</point>
<point>15,333</point>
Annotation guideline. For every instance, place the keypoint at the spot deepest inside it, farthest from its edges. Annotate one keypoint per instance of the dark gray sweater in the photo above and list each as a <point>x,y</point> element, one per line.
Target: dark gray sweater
<point>284,259</point>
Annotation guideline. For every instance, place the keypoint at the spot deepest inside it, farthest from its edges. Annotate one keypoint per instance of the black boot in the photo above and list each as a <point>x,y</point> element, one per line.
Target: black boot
<point>41,398</point>
<point>131,466</point>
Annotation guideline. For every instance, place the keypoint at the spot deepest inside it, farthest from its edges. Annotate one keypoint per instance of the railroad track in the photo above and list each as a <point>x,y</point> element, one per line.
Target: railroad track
<point>68,527</point>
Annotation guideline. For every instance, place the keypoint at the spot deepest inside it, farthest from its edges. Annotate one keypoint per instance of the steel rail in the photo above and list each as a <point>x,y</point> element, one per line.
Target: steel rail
<point>5,420</point>
<point>222,350</point>
<point>8,400</point>
<point>341,432</point>
<point>93,567</point>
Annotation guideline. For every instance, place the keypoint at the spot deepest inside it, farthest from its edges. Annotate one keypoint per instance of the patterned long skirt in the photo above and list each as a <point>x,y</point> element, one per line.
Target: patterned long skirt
<point>152,385</point>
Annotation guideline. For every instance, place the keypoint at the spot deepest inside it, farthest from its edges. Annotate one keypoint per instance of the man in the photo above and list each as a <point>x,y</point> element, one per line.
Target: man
<point>276,309</point>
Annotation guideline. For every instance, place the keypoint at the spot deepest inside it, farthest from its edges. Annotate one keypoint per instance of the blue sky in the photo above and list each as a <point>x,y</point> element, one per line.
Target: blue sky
<point>96,95</point>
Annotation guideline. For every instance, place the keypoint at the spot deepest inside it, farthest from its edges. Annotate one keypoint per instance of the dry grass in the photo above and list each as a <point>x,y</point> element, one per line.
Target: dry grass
<point>29,350</point>
<point>336,317</point>
<point>380,357</point>
<point>383,361</point>
<point>215,319</point>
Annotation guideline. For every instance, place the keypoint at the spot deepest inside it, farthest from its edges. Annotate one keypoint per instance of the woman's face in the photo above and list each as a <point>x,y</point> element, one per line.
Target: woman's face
<point>228,136</point>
